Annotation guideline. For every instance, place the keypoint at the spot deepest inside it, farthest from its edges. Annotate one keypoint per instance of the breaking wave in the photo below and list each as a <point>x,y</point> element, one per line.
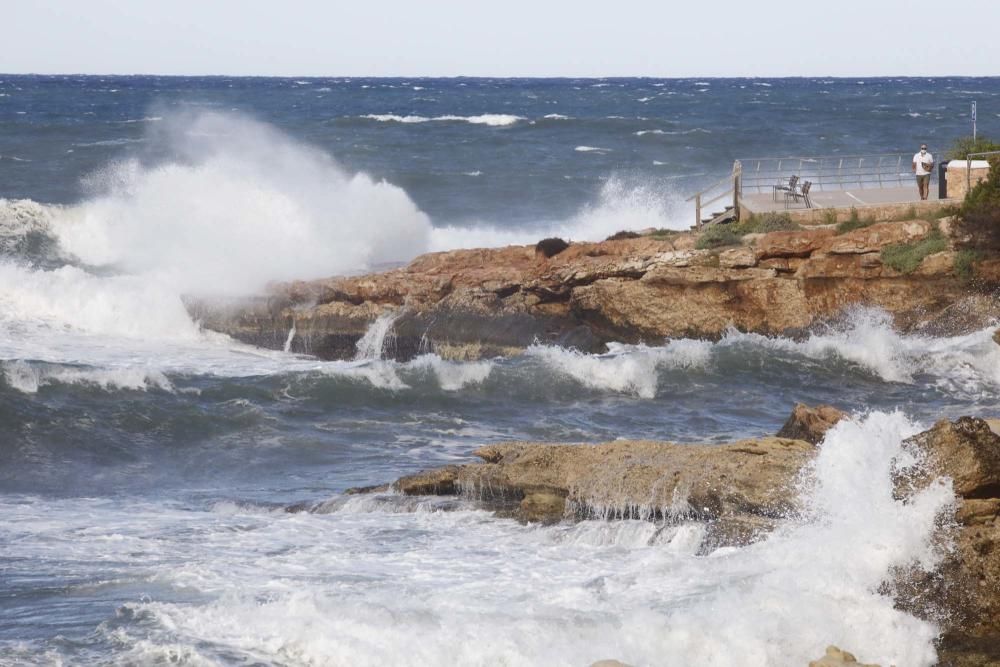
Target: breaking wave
<point>491,119</point>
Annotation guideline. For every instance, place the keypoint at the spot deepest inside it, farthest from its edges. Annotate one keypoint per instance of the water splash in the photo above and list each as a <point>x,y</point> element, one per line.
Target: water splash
<point>379,336</point>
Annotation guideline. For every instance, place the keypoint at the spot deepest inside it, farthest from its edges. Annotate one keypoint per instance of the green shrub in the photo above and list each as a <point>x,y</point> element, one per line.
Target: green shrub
<point>830,217</point>
<point>717,236</point>
<point>664,233</point>
<point>906,257</point>
<point>965,264</point>
<point>762,223</point>
<point>624,234</point>
<point>854,222</point>
<point>551,246</point>
<point>980,211</point>
<point>962,147</point>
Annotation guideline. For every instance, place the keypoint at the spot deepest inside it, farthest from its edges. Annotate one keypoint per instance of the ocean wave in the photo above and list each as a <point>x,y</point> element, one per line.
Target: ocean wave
<point>591,149</point>
<point>695,130</point>
<point>388,579</point>
<point>623,203</point>
<point>493,120</point>
<point>629,369</point>
<point>29,378</point>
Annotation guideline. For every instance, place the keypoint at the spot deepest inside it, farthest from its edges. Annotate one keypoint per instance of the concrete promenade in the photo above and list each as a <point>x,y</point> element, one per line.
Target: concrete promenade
<point>764,202</point>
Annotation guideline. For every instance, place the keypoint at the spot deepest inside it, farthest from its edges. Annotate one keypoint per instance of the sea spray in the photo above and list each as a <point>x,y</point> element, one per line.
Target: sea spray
<point>391,580</point>
<point>632,369</point>
<point>240,204</point>
<point>623,203</point>
<point>379,336</point>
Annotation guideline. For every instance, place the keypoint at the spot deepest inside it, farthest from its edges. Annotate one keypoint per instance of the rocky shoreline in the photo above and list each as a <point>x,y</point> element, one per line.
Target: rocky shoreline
<point>469,304</point>
<point>743,490</point>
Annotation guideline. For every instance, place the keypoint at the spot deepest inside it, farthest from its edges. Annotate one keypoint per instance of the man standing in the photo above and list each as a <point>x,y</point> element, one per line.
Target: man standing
<point>923,163</point>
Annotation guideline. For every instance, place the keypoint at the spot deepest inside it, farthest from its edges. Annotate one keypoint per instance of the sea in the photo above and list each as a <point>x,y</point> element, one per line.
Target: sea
<point>170,496</point>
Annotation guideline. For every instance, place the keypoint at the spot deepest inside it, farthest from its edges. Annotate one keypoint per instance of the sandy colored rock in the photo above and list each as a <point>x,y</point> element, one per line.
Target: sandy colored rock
<point>810,423</point>
<point>746,481</point>
<point>940,263</point>
<point>501,300</point>
<point>875,237</point>
<point>792,244</point>
<point>436,482</point>
<point>738,258</point>
<point>835,657</point>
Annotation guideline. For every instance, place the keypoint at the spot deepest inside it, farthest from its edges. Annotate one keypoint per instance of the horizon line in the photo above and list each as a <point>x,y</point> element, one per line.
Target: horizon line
<point>534,77</point>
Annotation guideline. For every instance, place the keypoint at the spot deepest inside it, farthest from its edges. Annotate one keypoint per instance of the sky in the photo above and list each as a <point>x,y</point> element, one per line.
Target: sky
<point>659,38</point>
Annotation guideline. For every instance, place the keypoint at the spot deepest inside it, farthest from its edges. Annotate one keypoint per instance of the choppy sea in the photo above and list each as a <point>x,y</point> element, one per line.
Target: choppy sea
<point>146,465</point>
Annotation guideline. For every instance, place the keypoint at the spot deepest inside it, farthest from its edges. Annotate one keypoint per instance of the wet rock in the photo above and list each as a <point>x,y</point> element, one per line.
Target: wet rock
<point>436,482</point>
<point>810,423</point>
<point>963,594</point>
<point>835,657</point>
<point>741,487</point>
<point>967,451</point>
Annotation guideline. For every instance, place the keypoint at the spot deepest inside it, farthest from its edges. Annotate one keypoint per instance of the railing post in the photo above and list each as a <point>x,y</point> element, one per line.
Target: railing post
<point>697,211</point>
<point>737,187</point>
<point>968,174</point>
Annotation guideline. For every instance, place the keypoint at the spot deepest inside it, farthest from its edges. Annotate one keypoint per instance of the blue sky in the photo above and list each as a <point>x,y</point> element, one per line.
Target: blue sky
<point>501,37</point>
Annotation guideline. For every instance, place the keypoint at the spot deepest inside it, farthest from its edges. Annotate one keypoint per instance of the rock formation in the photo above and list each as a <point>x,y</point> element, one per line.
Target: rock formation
<point>743,489</point>
<point>473,303</point>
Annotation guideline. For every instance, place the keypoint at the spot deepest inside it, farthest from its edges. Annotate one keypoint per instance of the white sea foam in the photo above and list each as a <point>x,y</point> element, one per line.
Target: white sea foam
<point>453,375</point>
<point>244,205</point>
<point>623,203</point>
<point>492,119</point>
<point>28,378</point>
<point>375,583</point>
<point>591,149</point>
<point>867,338</point>
<point>630,369</point>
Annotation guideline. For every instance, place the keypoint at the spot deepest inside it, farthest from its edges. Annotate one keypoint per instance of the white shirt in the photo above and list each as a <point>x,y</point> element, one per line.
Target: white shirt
<point>919,160</point>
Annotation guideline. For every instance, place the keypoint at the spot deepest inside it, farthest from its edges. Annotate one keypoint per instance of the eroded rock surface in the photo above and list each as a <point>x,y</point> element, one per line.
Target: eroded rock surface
<point>485,302</point>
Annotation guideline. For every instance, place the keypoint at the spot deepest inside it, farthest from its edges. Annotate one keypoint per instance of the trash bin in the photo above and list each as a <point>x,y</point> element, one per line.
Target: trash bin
<point>943,179</point>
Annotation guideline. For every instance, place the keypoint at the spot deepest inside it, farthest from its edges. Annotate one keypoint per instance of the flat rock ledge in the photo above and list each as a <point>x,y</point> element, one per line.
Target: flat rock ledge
<point>743,489</point>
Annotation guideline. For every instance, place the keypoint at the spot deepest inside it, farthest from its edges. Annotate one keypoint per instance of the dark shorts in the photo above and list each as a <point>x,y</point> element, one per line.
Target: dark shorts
<point>926,178</point>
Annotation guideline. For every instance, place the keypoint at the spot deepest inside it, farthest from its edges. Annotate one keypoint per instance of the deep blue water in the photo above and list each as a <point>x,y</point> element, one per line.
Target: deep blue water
<point>64,127</point>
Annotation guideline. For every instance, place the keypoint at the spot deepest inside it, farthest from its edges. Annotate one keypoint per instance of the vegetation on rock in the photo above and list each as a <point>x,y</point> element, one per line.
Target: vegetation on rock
<point>980,211</point>
<point>966,145</point>
<point>718,236</point>
<point>623,234</point>
<point>906,257</point>
<point>965,263</point>
<point>551,246</point>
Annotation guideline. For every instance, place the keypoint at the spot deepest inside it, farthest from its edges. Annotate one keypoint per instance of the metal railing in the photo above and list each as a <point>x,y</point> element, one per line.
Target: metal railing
<point>828,173</point>
<point>728,186</point>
